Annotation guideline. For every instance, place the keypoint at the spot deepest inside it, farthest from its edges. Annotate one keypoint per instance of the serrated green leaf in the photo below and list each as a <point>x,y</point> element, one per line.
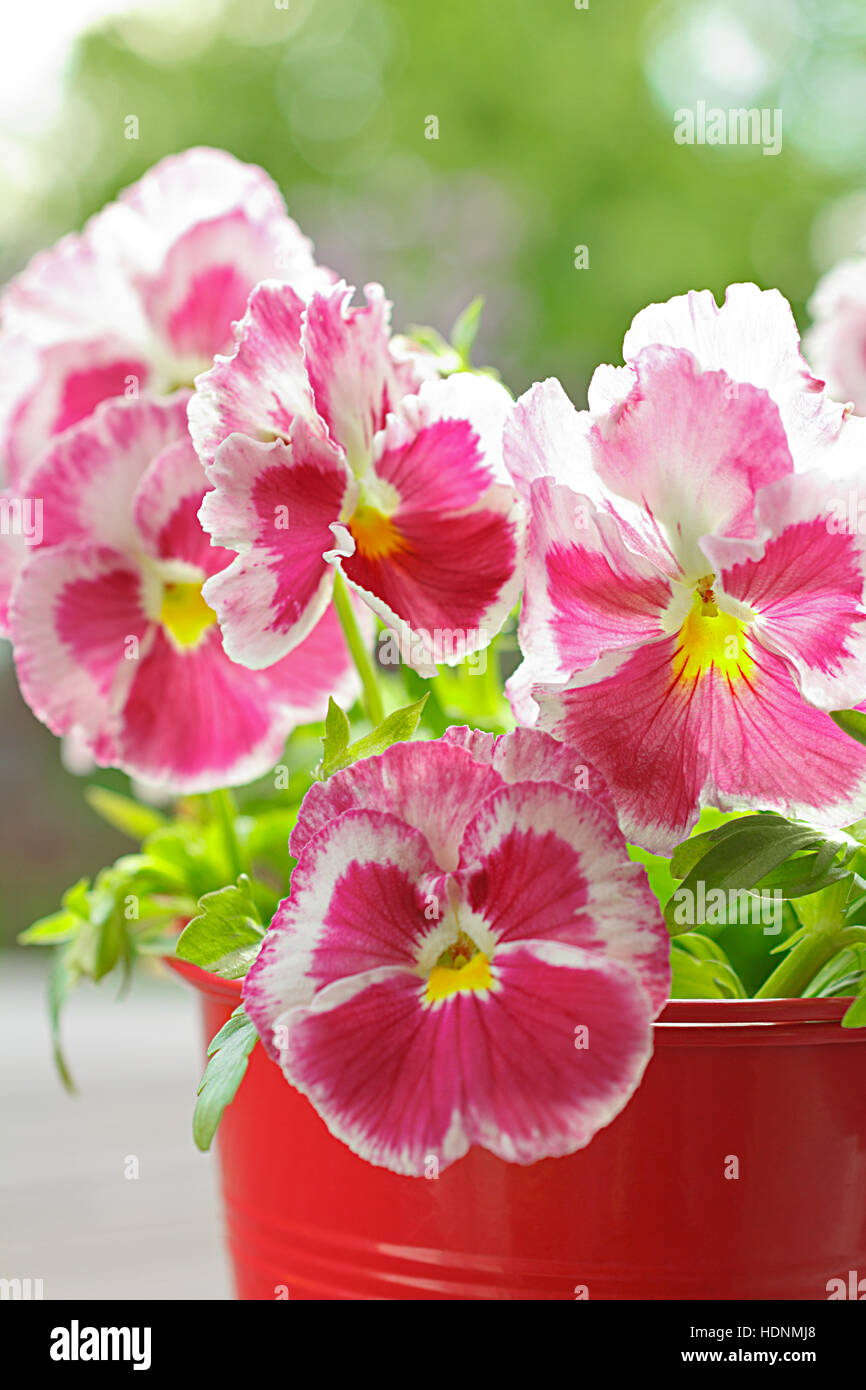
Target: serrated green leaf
<point>125,814</point>
<point>229,1054</point>
<point>397,727</point>
<point>226,935</point>
<point>394,728</point>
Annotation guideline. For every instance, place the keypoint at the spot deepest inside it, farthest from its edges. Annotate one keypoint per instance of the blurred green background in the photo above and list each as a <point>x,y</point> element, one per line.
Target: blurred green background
<point>555,131</point>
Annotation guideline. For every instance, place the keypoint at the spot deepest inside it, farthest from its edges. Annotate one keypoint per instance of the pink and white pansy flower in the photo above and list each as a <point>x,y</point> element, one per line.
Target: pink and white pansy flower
<point>694,603</point>
<point>113,642</point>
<point>329,447</point>
<point>142,298</point>
<point>468,957</point>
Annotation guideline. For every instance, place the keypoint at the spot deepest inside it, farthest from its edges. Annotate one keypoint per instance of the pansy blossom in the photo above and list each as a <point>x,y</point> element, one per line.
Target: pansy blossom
<point>328,446</point>
<point>467,957</point>
<point>112,640</point>
<point>142,298</point>
<point>694,599</point>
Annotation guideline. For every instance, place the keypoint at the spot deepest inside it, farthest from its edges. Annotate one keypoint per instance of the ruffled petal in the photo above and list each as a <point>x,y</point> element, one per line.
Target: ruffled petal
<point>275,504</point>
<point>402,1084</point>
<point>89,478</point>
<point>546,863</point>
<point>669,739</point>
<point>585,593</point>
<point>166,506</point>
<point>203,286</point>
<point>528,755</point>
<point>544,437</point>
<point>350,367</point>
<point>66,383</point>
<point>753,338</point>
<point>79,623</point>
<point>806,589</point>
<point>440,561</point>
<point>357,904</point>
<point>432,786</point>
<point>692,448</point>
<point>188,190</point>
<point>262,387</point>
<point>194,721</point>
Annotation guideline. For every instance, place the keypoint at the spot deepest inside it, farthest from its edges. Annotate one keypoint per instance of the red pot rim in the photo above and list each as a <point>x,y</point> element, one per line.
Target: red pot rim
<point>758,1012</point>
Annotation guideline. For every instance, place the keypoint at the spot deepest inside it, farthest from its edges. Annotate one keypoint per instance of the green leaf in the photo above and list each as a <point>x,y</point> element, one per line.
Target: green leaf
<point>857,831</point>
<point>229,1054</point>
<point>431,339</point>
<point>336,739</point>
<point>110,945</point>
<point>61,982</point>
<point>852,722</point>
<point>843,974</point>
<point>60,926</point>
<point>188,861</point>
<point>701,970</point>
<point>465,330</point>
<point>744,853</point>
<point>803,875</point>
<point>394,728</point>
<point>690,852</point>
<point>226,936</point>
<point>126,815</point>
<point>856,1015</point>
<point>77,898</point>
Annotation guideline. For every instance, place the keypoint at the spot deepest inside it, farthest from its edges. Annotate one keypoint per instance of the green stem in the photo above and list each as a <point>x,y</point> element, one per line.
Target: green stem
<point>799,966</point>
<point>364,663</point>
<point>223,811</point>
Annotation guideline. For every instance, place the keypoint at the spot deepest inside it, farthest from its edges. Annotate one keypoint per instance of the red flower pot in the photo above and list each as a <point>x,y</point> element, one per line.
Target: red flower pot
<point>737,1171</point>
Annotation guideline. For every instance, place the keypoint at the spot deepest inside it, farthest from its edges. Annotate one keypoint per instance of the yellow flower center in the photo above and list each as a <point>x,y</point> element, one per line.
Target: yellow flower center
<point>374,533</point>
<point>711,639</point>
<point>461,966</point>
<point>185,614</point>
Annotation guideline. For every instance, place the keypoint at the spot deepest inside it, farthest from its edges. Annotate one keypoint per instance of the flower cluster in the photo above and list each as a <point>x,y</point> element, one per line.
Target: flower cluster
<point>222,470</point>
<point>113,641</point>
